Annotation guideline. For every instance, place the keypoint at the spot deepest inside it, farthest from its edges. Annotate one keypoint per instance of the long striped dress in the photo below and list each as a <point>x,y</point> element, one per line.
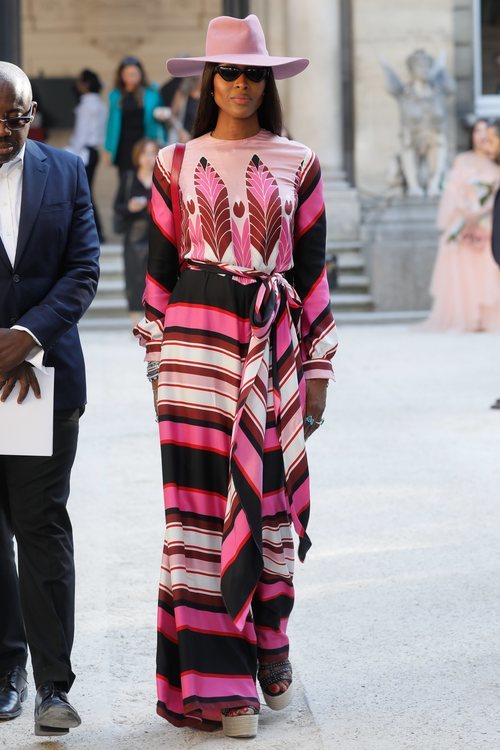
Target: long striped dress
<point>237,311</point>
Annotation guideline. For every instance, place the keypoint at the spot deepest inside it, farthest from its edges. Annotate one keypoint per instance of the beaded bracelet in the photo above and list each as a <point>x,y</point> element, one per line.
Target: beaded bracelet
<point>152,370</point>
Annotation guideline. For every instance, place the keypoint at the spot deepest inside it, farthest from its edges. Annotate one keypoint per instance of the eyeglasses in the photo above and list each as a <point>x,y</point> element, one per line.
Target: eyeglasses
<point>18,123</point>
<point>232,73</point>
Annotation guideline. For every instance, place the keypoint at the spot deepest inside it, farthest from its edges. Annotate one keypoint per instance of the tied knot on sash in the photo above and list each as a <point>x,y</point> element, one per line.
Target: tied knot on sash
<point>267,302</point>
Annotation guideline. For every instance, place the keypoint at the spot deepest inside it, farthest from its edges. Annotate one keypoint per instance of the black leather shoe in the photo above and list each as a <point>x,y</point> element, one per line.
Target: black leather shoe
<point>54,714</point>
<point>13,691</point>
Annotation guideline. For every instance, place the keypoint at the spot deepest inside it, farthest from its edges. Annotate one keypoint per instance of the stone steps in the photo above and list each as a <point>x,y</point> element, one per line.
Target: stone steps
<point>350,262</point>
<point>380,318</point>
<point>110,288</point>
<point>106,323</point>
<point>352,293</point>
<point>351,302</point>
<point>109,308</point>
<point>352,282</point>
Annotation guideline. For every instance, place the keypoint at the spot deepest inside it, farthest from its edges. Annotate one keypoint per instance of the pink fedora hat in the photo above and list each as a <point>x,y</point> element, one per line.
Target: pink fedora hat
<point>239,41</point>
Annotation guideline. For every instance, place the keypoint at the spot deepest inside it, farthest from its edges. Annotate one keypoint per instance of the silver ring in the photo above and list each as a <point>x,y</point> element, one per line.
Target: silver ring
<point>319,422</point>
<point>309,420</point>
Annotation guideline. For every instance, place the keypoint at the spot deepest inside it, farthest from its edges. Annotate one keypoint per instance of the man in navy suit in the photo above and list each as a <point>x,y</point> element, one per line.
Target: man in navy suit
<point>49,270</point>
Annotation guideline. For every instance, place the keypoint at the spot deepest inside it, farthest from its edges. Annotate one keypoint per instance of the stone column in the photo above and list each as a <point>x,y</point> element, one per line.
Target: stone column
<point>315,110</point>
<point>10,32</point>
<point>315,97</point>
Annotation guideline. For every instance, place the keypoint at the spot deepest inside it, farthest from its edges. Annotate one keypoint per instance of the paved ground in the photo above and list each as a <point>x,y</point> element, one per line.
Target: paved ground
<point>396,637</point>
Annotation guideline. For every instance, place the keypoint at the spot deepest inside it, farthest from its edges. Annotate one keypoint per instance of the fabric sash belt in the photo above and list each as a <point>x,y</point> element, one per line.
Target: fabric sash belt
<point>273,360</point>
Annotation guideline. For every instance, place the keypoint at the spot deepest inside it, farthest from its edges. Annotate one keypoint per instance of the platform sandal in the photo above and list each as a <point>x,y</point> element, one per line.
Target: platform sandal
<point>271,674</point>
<point>240,725</point>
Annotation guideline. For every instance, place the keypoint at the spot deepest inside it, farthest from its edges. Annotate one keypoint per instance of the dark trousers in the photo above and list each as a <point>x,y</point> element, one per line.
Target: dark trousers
<point>90,170</point>
<point>37,605</point>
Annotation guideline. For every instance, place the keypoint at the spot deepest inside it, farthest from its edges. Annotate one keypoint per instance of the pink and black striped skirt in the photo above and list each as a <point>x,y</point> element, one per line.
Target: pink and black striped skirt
<point>205,663</point>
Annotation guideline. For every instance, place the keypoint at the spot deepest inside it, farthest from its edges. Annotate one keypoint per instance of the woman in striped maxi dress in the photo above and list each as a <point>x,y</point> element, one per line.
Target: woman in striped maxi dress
<point>239,339</point>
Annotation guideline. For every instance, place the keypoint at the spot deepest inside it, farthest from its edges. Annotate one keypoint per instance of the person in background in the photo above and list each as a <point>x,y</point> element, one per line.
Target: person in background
<point>132,202</point>
<point>168,90</point>
<point>179,116</point>
<point>131,113</point>
<point>38,131</point>
<point>466,282</point>
<point>184,109</point>
<point>49,268</point>
<point>89,128</point>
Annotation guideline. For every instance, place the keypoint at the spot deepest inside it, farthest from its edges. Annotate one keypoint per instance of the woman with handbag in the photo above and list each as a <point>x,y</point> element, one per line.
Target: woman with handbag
<point>239,339</point>
<point>131,218</point>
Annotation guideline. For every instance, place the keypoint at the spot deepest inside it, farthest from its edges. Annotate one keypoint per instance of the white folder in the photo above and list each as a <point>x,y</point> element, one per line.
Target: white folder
<point>27,429</point>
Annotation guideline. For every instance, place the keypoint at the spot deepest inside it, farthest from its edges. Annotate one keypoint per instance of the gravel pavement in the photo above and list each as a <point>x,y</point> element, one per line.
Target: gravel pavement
<point>396,629</point>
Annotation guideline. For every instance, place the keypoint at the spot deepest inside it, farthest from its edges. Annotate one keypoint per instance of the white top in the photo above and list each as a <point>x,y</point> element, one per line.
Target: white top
<point>11,187</point>
<point>90,125</point>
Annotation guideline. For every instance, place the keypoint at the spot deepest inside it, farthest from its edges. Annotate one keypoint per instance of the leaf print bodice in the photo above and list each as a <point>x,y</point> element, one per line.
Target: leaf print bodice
<point>239,200</point>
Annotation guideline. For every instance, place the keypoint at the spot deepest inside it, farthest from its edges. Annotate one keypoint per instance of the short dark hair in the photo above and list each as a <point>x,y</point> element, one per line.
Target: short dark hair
<point>269,113</point>
<point>92,80</point>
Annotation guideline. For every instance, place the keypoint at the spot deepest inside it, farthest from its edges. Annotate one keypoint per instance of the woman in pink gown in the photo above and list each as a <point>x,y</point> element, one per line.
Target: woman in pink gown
<point>466,281</point>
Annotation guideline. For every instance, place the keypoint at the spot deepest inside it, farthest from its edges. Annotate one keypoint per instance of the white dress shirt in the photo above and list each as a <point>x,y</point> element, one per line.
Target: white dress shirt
<point>11,189</point>
<point>90,125</point>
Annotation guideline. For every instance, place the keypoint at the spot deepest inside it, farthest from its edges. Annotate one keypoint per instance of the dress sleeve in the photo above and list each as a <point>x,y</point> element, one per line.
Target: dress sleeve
<point>163,260</point>
<point>318,331</point>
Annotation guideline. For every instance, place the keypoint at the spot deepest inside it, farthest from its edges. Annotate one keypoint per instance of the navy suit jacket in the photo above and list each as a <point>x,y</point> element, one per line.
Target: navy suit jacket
<point>56,270</point>
<point>496,229</point>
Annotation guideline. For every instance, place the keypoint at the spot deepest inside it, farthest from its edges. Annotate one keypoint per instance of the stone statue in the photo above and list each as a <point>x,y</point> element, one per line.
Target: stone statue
<point>423,109</point>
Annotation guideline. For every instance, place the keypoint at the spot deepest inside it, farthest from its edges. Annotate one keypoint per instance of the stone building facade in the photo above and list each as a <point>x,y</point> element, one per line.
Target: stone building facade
<point>339,105</point>
<point>340,100</point>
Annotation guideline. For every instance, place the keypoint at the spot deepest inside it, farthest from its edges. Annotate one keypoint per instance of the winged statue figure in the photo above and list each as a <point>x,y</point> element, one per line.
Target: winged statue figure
<point>423,120</point>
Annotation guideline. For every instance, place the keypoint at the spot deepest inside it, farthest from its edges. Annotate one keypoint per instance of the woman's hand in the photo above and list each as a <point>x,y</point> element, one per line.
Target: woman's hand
<point>106,158</point>
<point>162,114</point>
<point>137,203</point>
<point>315,404</point>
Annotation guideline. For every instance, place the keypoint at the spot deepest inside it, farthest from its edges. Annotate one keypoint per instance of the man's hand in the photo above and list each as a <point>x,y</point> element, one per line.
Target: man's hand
<point>315,403</point>
<point>14,348</point>
<point>25,374</point>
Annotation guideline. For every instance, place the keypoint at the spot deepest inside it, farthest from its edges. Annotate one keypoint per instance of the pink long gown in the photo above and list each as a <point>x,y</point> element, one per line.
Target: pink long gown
<point>466,280</point>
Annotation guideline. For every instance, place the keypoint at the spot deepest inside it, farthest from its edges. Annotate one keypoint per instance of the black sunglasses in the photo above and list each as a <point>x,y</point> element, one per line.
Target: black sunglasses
<point>18,123</point>
<point>232,73</point>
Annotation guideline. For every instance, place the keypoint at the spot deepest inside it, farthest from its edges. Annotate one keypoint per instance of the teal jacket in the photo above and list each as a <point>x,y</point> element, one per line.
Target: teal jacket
<point>152,129</point>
